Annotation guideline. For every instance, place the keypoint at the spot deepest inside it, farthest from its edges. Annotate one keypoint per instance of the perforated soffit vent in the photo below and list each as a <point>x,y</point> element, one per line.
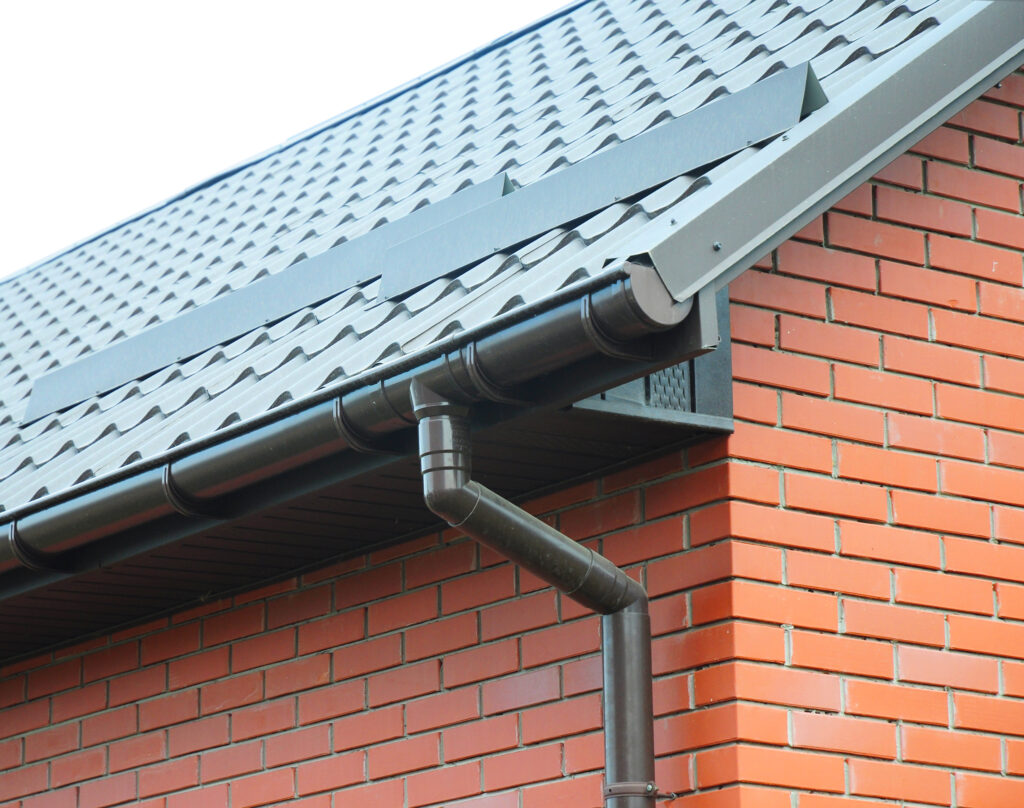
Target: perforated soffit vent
<point>448,235</point>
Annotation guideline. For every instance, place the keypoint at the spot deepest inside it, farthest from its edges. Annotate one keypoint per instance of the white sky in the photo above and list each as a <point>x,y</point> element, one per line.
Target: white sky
<point>109,107</point>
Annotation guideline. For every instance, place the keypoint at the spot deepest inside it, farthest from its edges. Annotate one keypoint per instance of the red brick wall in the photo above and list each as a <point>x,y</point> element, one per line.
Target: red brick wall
<point>837,589</point>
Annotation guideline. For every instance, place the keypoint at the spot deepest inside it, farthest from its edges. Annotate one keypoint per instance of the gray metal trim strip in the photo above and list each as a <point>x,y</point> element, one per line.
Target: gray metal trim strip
<point>793,180</point>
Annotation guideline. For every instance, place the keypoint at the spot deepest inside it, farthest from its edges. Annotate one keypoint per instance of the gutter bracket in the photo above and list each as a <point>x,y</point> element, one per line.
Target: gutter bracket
<point>640,789</point>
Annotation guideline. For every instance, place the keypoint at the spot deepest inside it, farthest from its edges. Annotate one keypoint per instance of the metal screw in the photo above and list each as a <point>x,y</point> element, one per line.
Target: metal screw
<point>716,246</point>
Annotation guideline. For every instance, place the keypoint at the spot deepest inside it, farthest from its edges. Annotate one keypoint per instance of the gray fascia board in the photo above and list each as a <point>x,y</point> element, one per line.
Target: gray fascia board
<point>266,301</point>
<point>799,176</point>
<point>699,138</point>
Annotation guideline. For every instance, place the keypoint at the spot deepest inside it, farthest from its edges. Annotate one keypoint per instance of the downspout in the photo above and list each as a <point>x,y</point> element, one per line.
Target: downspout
<point>577,571</point>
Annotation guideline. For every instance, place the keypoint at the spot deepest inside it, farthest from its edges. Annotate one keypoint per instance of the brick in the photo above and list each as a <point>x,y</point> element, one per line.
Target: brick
<point>110,661</point>
<point>779,446</point>
<point>51,742</point>
<point>832,341</point>
<point>26,780</point>
<point>774,525</point>
<point>522,767</point>
<point>756,326</point>
<point>197,668</point>
<point>972,185</point>
<point>887,467</point>
<point>815,262</point>
<point>233,625</point>
<point>826,495</point>
<point>365,657</point>
<point>982,558</point>
<point>834,574</point>
<point>833,419</point>
<point>896,781</point>
<point>337,771</point>
<point>880,313</point>
<point>563,718</point>
<point>777,767</point>
<point>175,775</point>
<point>231,693</point>
<point>602,516</point>
<point>138,685</point>
<point>883,389</point>
<point>948,669</point>
<point>994,155</point>
<point>331,632</point>
<point>857,201</point>
<point>262,789</point>
<point>932,361</point>
<point>54,678</point>
<point>940,513</point>
<point>481,663</point>
<point>1005,302</point>
<point>979,791</point>
<point>399,757</point>
<point>1011,601</point>
<point>579,791</point>
<point>887,622</point>
<point>403,610</point>
<point>885,543</point>
<point>443,709</point>
<point>378,795</point>
<point>976,481</point>
<point>578,676</point>
<point>78,767</point>
<point>560,642</point>
<point>368,728</point>
<point>481,737</point>
<point>107,791</point>
<point>131,753</point>
<point>779,293</point>
<point>988,714</point>
<point>212,797</point>
<point>331,702</point>
<point>520,690</point>
<point>65,798</point>
<point>726,723</point>
<point>948,592</point>
<point>263,650</point>
<point>298,606</point>
<point>520,615</point>
<point>768,684</point>
<point>110,725</point>
<point>977,260</point>
<point>907,171</point>
<point>753,601</point>
<point>856,736</point>
<point>483,587</point>
<point>642,543</point>
<point>302,674</point>
<point>405,682</point>
<point>218,764</point>
<point>262,719</point>
<point>10,754</point>
<point>754,403</point>
<point>935,436</point>
<point>1004,229</point>
<point>735,640</point>
<point>946,748</point>
<point>896,702</point>
<point>170,709</point>
<point>170,643</point>
<point>291,747</point>
<point>788,371</point>
<point>925,212</point>
<point>196,735</point>
<point>927,286</point>
<point>854,655</point>
<point>443,785</point>
<point>440,565</point>
<point>987,118</point>
<point>584,753</point>
<point>944,143</point>
<point>986,636</point>
<point>875,238</point>
<point>1009,90</point>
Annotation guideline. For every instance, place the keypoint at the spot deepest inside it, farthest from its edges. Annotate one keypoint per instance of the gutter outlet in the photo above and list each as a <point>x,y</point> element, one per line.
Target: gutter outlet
<point>577,571</point>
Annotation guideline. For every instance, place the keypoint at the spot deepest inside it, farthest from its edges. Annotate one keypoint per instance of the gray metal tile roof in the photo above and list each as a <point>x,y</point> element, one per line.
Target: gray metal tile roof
<point>584,80</point>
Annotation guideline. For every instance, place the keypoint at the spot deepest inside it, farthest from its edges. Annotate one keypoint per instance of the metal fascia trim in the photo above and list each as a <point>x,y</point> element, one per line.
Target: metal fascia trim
<point>793,179</point>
